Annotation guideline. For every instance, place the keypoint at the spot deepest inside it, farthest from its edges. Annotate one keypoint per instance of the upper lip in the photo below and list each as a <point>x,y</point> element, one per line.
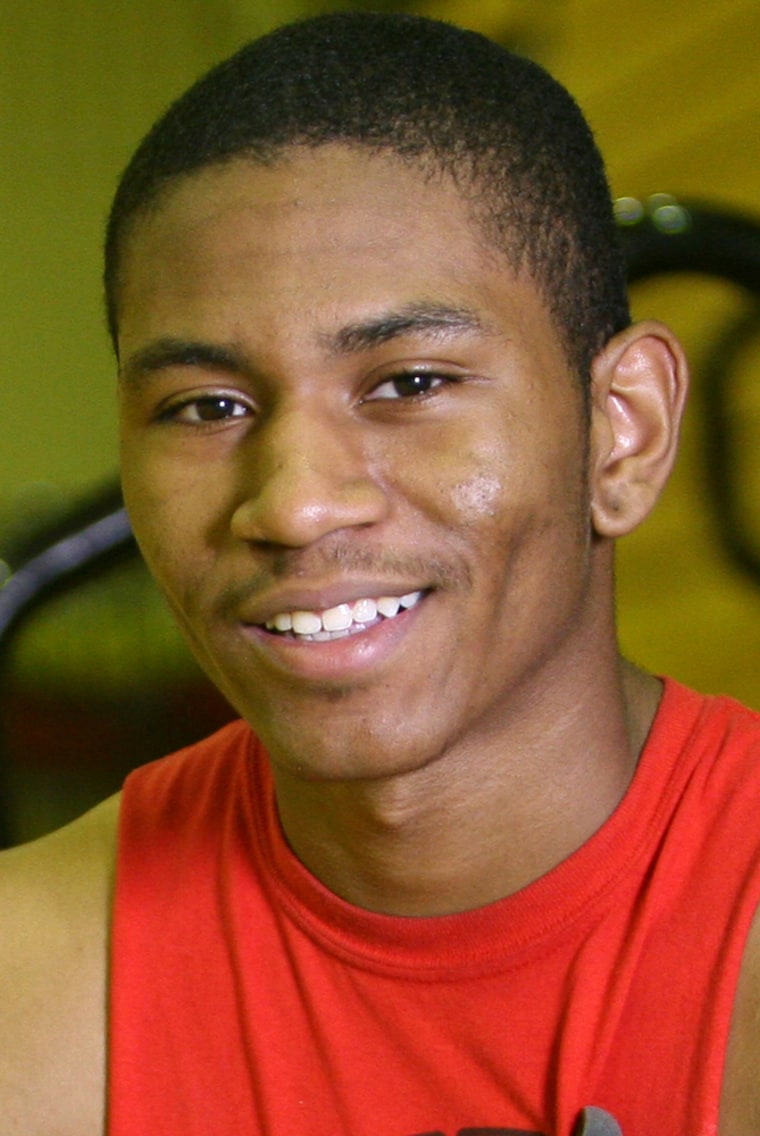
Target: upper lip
<point>265,608</point>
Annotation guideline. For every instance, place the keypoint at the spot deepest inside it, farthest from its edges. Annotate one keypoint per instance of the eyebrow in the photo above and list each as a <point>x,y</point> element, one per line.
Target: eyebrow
<point>173,352</point>
<point>430,320</point>
<point>420,318</point>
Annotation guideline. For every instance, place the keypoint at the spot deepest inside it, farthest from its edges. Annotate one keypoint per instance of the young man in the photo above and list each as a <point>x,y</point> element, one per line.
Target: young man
<point>383,417</point>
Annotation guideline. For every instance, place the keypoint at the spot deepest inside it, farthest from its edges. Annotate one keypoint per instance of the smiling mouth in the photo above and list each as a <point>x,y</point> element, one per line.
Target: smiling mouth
<point>341,621</point>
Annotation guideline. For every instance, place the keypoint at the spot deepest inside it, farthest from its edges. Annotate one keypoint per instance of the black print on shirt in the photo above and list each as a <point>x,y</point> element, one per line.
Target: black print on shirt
<point>484,1132</point>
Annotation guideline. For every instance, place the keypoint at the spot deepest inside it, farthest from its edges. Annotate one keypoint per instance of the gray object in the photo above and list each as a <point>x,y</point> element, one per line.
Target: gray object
<point>597,1122</point>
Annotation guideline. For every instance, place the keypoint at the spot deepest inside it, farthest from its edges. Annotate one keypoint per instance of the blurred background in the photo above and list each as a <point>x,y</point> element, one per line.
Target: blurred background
<point>97,680</point>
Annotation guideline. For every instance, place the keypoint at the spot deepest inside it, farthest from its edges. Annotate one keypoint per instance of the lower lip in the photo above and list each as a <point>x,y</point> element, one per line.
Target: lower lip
<point>338,659</point>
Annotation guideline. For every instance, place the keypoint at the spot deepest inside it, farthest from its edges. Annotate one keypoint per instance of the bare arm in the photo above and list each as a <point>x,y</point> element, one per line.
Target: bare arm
<point>55,903</point>
<point>740,1105</point>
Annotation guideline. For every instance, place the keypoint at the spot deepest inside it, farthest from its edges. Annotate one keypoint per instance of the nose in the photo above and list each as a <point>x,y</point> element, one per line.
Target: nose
<point>303,478</point>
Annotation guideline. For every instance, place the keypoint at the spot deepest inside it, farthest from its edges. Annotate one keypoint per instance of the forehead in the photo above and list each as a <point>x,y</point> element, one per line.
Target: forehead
<point>319,238</point>
<point>320,199</point>
<point>298,175</point>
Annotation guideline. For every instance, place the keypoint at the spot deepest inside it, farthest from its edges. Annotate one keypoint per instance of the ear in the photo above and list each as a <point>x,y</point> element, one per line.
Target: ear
<point>639,383</point>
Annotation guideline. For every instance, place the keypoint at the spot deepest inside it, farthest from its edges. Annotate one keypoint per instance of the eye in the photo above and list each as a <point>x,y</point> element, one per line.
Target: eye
<point>409,384</point>
<point>206,408</point>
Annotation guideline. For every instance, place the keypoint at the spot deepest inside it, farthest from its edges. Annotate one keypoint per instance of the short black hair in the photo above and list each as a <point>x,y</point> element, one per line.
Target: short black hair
<point>438,96</point>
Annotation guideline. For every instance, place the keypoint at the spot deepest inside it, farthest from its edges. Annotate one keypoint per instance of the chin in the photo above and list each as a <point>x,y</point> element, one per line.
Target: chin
<point>352,753</point>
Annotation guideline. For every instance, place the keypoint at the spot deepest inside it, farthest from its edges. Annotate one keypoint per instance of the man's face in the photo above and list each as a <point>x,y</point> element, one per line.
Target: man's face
<point>354,458</point>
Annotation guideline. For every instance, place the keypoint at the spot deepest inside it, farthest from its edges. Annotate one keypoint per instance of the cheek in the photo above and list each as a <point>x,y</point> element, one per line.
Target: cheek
<point>509,504</point>
<point>169,496</point>
<point>167,520</point>
<point>477,498</point>
<point>477,489</point>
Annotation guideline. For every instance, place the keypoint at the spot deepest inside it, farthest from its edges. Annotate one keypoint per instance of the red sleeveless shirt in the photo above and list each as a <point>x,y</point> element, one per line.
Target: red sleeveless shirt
<point>248,1000</point>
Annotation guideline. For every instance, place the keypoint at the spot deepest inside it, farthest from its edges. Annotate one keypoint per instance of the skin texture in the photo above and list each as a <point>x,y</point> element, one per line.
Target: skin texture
<point>55,896</point>
<point>330,389</point>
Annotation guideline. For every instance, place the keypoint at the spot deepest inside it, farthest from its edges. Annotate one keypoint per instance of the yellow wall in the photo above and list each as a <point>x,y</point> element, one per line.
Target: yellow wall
<point>671,90</point>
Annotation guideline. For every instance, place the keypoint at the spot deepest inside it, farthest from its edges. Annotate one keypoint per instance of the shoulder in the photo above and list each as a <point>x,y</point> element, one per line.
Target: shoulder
<point>55,895</point>
<point>714,742</point>
<point>740,1106</point>
<point>174,789</point>
<point>727,735</point>
<point>721,719</point>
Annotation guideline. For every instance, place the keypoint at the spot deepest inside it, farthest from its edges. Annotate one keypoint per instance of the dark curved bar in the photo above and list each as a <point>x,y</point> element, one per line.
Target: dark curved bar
<point>65,559</point>
<point>664,236</point>
<point>688,236</point>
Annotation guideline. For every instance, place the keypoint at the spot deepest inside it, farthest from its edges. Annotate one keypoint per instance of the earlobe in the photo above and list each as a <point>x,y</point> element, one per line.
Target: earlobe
<point>639,385</point>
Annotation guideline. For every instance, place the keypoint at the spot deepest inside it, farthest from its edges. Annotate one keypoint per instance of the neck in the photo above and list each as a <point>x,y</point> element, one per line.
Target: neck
<point>483,820</point>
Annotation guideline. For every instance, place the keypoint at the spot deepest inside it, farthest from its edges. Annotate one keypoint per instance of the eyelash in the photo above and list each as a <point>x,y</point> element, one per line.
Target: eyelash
<point>225,407</point>
<point>175,412</point>
<point>436,378</point>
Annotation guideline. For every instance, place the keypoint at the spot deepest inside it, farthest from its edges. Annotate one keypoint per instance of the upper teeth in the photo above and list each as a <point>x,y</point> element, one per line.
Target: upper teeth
<point>342,617</point>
